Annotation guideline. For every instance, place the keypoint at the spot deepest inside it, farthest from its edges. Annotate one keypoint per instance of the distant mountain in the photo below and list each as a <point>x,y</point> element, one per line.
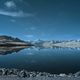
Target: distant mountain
<point>9,38</point>
<point>11,41</point>
<point>57,43</point>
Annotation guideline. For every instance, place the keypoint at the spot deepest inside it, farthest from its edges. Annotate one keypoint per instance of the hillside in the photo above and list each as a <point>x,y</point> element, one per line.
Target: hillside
<point>10,41</point>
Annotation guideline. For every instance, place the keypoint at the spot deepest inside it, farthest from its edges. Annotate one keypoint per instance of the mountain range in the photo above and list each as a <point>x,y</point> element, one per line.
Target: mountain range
<point>11,41</point>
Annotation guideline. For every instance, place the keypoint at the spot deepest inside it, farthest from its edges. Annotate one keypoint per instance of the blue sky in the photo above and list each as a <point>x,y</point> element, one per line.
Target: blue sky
<point>40,19</point>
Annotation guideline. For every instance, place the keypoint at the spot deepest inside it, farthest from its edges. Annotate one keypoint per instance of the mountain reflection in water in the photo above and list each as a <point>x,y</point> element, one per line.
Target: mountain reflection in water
<point>9,50</point>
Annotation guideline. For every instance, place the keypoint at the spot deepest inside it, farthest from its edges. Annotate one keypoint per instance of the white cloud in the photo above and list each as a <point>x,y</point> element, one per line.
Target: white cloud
<point>10,12</point>
<point>10,4</point>
<point>15,14</point>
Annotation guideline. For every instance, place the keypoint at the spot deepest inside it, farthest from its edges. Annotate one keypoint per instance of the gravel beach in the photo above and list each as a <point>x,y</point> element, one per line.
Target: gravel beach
<point>12,77</point>
<point>15,74</point>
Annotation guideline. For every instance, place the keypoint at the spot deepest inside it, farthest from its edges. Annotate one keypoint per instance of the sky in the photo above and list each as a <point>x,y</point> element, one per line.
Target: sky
<point>40,19</point>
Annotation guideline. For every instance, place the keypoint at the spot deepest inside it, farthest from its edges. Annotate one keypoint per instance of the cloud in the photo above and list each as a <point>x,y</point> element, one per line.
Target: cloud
<point>15,14</point>
<point>13,10</point>
<point>10,4</point>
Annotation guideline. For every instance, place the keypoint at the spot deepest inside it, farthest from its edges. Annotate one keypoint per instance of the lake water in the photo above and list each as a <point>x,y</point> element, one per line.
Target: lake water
<point>43,60</point>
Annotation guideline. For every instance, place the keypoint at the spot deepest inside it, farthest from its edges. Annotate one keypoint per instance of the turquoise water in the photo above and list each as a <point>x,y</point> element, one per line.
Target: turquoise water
<point>43,60</point>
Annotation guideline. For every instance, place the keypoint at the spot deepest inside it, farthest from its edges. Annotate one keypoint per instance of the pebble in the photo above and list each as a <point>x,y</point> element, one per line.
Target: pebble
<point>24,73</point>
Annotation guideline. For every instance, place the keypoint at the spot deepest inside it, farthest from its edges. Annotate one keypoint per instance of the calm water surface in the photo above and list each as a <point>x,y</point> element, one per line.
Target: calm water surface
<point>43,60</point>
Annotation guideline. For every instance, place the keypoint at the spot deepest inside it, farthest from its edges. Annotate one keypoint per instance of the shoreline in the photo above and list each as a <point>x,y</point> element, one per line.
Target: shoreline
<point>16,74</point>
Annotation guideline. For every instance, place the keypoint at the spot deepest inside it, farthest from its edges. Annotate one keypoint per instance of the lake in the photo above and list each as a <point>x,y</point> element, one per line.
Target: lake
<point>58,60</point>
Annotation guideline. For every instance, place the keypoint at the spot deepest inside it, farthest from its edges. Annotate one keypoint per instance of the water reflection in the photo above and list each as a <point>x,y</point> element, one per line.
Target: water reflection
<point>9,50</point>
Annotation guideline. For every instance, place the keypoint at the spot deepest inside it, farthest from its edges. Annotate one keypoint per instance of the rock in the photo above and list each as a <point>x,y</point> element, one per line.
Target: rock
<point>43,74</point>
<point>62,75</point>
<point>33,74</point>
<point>27,75</point>
<point>23,74</point>
<point>4,71</point>
<point>70,75</point>
<point>11,72</point>
<point>77,74</point>
<point>1,72</point>
<point>39,74</point>
<point>55,75</point>
<point>16,71</point>
<point>50,75</point>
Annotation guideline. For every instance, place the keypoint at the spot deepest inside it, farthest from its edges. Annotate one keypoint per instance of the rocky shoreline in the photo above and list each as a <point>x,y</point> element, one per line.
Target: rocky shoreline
<point>16,74</point>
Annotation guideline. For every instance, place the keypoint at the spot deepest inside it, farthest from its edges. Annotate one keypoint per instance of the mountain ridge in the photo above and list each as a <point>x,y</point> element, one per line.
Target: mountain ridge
<point>11,41</point>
